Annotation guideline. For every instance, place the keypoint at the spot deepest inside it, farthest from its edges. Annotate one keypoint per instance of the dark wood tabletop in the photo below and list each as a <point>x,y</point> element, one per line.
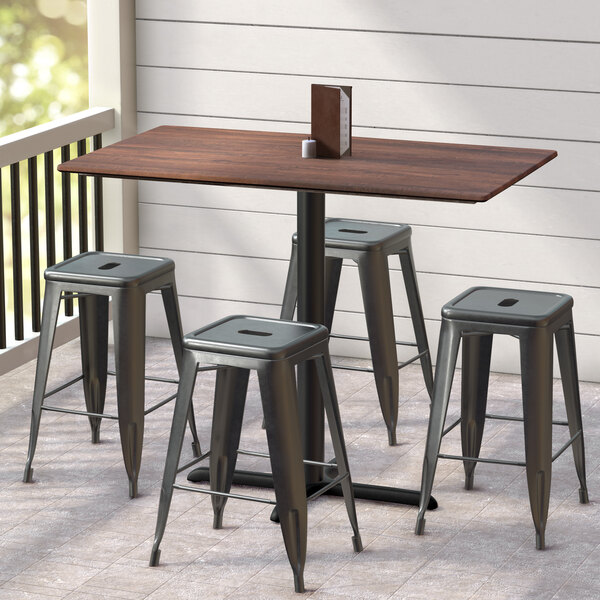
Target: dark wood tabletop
<point>377,167</point>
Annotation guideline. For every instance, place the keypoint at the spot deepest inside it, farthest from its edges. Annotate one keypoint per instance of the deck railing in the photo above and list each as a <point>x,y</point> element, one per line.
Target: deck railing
<point>36,234</point>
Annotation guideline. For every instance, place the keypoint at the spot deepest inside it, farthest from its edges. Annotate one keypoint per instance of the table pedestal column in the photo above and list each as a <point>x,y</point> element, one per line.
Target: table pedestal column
<point>311,309</point>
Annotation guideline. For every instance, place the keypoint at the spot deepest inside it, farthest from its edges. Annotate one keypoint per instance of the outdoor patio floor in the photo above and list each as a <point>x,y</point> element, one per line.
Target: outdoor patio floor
<point>75,534</point>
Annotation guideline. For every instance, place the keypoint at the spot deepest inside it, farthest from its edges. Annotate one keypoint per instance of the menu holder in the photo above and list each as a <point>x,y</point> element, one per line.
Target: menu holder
<point>331,120</point>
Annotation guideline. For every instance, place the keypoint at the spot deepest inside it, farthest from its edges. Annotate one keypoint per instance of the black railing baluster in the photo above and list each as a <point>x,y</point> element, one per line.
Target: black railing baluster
<point>15,201</point>
<point>34,243</point>
<point>15,256</point>
<point>82,196</point>
<point>98,202</point>
<point>65,154</point>
<point>2,290</point>
<point>49,197</point>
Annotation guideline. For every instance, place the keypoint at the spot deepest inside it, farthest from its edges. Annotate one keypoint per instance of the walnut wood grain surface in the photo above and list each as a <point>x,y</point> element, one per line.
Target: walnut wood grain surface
<point>377,167</point>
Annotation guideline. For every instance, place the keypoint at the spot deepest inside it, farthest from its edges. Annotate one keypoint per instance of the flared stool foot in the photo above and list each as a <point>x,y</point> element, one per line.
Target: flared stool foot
<point>154,557</point>
<point>96,435</point>
<point>133,489</point>
<point>420,526</point>
<point>583,496</point>
<point>392,440</point>
<point>299,583</point>
<point>469,480</point>
<point>28,475</point>
<point>218,520</point>
<point>540,540</point>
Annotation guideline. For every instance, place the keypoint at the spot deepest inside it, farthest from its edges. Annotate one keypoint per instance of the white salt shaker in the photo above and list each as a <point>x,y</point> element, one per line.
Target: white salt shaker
<point>309,148</point>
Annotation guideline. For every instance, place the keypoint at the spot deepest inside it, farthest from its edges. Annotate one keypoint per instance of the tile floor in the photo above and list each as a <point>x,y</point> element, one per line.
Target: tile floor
<point>75,534</point>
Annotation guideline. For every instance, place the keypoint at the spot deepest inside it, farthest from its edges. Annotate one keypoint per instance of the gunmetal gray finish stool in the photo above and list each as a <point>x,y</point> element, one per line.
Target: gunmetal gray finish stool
<point>535,318</point>
<point>273,348</point>
<point>369,244</point>
<point>92,277</point>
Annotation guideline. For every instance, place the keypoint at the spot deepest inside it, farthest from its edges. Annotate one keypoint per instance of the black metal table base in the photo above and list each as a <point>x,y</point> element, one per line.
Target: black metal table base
<point>363,491</point>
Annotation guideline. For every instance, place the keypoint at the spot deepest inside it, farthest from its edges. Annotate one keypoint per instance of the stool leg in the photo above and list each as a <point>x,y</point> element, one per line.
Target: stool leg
<point>476,356</point>
<point>290,294</point>
<point>377,299</point>
<point>228,414</point>
<point>129,319</point>
<point>339,446</point>
<point>279,402</point>
<point>444,374</point>
<point>184,399</point>
<point>333,270</point>
<point>416,315</point>
<point>93,327</point>
<point>169,296</point>
<point>48,328</point>
<point>567,358</point>
<point>536,376</point>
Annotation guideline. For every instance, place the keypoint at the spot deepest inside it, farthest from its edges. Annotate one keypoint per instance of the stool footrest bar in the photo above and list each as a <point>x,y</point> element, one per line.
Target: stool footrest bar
<point>150,378</point>
<point>566,445</point>
<point>366,339</point>
<point>60,388</point>
<point>509,418</point>
<point>508,462</point>
<point>500,418</point>
<point>451,427</point>
<point>495,461</point>
<point>78,412</point>
<point>161,403</point>
<point>351,368</point>
<point>193,462</point>
<point>253,453</point>
<point>412,360</point>
<point>328,486</point>
<point>189,488</point>
<point>306,462</point>
<point>370,369</point>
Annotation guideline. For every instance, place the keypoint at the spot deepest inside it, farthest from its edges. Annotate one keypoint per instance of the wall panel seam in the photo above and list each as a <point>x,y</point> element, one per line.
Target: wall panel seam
<point>412,224</point>
<point>386,128</point>
<point>381,31</point>
<point>420,272</point>
<point>378,79</point>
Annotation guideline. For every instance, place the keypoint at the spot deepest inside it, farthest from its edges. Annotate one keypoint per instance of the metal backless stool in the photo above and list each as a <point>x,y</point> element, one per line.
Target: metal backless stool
<point>369,244</point>
<point>535,318</point>
<point>273,348</point>
<point>93,277</point>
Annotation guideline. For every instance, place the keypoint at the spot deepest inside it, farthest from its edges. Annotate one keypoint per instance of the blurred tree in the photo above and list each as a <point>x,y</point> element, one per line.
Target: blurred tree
<point>43,61</point>
<point>43,76</point>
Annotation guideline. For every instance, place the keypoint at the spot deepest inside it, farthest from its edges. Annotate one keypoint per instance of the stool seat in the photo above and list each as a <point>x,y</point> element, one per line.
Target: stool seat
<point>538,320</point>
<point>364,236</point>
<point>369,244</point>
<point>110,269</point>
<point>273,348</point>
<point>508,306</point>
<point>255,337</point>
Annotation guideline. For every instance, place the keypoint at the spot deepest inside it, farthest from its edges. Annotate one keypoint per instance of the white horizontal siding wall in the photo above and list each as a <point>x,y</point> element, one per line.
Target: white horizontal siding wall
<point>508,73</point>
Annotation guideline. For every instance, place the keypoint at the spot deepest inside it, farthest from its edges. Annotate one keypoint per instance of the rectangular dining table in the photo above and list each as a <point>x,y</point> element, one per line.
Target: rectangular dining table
<point>384,168</point>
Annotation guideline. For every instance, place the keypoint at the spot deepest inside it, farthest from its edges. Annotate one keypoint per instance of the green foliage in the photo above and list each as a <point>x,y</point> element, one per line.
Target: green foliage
<point>43,76</point>
<point>43,63</point>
